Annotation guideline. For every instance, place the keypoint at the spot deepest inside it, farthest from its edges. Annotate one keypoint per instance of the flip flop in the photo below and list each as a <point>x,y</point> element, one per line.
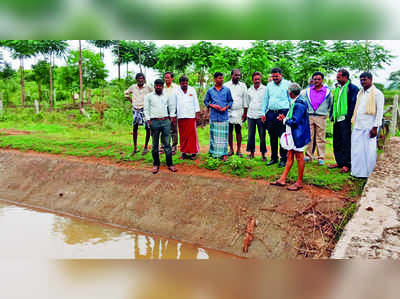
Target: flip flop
<point>145,151</point>
<point>344,169</point>
<point>134,152</point>
<point>333,166</point>
<point>277,183</point>
<point>172,168</point>
<point>294,187</point>
<point>156,169</point>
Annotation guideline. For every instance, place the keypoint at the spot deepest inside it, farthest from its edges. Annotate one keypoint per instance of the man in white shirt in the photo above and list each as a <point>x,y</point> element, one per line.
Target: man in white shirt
<point>366,120</point>
<point>135,95</point>
<point>159,112</point>
<point>169,90</point>
<point>238,112</point>
<point>187,112</point>
<point>255,112</point>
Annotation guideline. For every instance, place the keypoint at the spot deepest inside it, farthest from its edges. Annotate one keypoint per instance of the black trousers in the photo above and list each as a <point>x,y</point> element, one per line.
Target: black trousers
<point>342,143</point>
<point>275,130</point>
<point>253,124</point>
<point>163,128</point>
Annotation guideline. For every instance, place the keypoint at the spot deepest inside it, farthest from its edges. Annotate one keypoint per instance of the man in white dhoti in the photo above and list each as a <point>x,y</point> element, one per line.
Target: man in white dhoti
<point>366,120</point>
<point>238,112</point>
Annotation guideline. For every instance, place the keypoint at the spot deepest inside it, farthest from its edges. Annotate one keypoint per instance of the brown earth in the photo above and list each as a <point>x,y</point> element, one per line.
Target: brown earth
<point>194,205</point>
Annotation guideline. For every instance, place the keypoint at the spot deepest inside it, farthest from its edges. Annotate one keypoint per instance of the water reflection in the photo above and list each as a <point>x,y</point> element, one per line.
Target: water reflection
<point>27,233</point>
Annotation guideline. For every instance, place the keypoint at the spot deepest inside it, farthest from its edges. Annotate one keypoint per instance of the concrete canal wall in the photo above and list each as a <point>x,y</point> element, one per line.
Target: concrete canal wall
<point>374,231</point>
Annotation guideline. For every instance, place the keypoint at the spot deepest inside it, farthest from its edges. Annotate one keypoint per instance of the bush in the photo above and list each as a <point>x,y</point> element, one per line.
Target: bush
<point>212,163</point>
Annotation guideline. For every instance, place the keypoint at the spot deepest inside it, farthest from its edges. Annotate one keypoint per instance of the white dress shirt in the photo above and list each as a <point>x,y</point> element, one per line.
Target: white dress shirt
<point>239,95</point>
<point>367,121</point>
<point>255,100</point>
<point>158,106</point>
<point>187,104</point>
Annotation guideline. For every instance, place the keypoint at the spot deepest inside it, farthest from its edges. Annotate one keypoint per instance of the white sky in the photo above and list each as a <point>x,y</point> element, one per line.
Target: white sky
<point>380,76</point>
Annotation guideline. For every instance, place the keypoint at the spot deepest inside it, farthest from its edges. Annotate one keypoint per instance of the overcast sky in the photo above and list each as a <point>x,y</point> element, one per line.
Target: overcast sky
<point>380,76</point>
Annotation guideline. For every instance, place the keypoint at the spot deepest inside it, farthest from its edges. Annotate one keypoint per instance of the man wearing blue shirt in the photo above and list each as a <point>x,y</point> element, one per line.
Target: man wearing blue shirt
<point>276,102</point>
<point>219,100</point>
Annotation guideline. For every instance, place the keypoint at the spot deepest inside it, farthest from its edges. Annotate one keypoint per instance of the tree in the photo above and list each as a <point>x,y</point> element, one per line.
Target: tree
<point>367,56</point>
<point>201,54</point>
<point>52,48</point>
<point>6,71</point>
<point>102,45</point>
<point>91,69</point>
<point>80,75</point>
<point>255,59</point>
<point>21,49</point>
<point>395,80</point>
<point>224,60</point>
<point>6,82</point>
<point>41,75</point>
<point>173,59</point>
<point>309,59</point>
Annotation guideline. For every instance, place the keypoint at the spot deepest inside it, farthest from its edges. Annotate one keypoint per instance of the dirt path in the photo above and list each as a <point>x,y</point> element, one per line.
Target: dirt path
<point>194,205</point>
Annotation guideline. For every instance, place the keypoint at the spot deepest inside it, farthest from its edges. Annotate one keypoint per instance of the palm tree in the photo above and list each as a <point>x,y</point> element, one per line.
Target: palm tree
<point>21,49</point>
<point>52,48</point>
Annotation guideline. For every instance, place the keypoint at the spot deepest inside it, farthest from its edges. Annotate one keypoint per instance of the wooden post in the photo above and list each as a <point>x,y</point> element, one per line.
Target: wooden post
<point>395,110</point>
<point>36,106</point>
<point>1,106</point>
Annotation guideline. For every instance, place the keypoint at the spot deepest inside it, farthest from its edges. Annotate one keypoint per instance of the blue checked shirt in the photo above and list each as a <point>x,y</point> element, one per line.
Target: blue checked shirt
<point>222,98</point>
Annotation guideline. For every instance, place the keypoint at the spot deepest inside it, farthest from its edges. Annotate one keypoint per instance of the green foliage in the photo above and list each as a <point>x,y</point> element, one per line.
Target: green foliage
<point>93,69</point>
<point>212,163</point>
<point>41,72</point>
<point>6,71</point>
<point>394,80</point>
<point>141,53</point>
<point>236,166</point>
<point>224,60</point>
<point>174,59</point>
<point>254,59</point>
<point>347,213</point>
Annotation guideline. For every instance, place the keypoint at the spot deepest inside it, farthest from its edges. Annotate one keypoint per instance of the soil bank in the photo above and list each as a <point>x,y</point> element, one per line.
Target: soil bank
<point>206,211</point>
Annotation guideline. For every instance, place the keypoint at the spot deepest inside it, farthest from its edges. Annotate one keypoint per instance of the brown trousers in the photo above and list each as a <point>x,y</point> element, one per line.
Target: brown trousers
<point>317,130</point>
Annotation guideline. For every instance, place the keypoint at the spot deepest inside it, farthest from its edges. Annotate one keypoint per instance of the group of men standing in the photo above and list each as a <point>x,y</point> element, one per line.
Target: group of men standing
<point>231,104</point>
<point>162,112</point>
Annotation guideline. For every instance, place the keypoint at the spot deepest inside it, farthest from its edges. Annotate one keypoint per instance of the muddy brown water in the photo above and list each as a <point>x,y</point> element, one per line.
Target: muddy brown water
<point>26,233</point>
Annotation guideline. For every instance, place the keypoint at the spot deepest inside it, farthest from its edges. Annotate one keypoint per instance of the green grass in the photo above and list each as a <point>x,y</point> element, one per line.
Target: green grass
<point>68,133</point>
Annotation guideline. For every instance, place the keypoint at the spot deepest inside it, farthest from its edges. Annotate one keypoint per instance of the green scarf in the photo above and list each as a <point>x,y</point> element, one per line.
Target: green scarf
<point>340,109</point>
<point>290,113</point>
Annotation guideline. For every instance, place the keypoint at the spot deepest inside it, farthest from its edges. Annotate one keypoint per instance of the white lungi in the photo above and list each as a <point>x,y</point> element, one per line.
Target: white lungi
<point>363,153</point>
<point>363,148</point>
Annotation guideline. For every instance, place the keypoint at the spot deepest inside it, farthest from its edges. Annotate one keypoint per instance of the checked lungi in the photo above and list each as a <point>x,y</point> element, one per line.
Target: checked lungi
<point>138,117</point>
<point>188,140</point>
<point>219,138</point>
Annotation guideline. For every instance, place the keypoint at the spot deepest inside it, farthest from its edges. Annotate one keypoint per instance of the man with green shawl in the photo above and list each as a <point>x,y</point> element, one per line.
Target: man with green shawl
<point>344,101</point>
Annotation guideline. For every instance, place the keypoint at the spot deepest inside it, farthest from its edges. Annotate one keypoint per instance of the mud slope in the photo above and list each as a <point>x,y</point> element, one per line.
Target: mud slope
<point>210,212</point>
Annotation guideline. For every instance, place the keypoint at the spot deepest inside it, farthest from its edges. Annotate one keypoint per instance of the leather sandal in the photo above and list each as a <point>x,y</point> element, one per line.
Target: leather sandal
<point>333,166</point>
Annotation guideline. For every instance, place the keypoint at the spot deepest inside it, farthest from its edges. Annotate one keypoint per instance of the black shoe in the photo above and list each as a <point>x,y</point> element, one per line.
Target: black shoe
<point>272,162</point>
<point>282,164</point>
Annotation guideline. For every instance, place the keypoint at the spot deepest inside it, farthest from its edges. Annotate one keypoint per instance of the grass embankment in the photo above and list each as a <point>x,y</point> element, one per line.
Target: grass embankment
<point>69,133</point>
